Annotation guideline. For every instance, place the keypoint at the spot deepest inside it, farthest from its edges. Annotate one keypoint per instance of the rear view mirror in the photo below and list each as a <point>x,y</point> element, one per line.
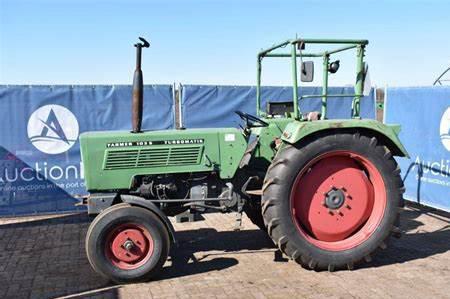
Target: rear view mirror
<point>307,71</point>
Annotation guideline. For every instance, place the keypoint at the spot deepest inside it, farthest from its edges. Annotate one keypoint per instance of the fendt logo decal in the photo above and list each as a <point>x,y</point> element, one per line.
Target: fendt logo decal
<point>445,129</point>
<point>53,129</point>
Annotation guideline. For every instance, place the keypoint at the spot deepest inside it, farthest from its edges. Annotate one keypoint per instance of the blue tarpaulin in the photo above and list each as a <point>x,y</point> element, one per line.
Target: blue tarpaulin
<point>214,106</point>
<point>40,169</point>
<point>424,113</point>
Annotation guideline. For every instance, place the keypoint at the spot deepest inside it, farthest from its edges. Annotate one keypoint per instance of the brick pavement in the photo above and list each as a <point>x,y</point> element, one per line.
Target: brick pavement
<point>43,257</point>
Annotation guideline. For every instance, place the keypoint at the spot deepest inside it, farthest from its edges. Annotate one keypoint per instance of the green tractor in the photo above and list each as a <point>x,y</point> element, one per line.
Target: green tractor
<point>328,192</point>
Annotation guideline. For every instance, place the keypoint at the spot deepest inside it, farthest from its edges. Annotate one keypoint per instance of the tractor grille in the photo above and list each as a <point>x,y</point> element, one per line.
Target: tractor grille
<point>154,157</point>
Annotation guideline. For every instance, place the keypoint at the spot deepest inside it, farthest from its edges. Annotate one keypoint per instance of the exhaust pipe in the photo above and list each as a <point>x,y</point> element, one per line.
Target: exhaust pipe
<point>138,89</point>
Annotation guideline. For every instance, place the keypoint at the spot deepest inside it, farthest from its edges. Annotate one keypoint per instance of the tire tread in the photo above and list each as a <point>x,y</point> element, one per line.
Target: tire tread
<point>271,205</point>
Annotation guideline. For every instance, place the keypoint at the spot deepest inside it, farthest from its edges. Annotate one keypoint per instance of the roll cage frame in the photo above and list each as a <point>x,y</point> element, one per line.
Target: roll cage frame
<point>297,46</point>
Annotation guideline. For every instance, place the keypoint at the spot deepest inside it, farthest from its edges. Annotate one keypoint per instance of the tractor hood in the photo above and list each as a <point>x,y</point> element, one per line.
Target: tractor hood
<point>111,159</point>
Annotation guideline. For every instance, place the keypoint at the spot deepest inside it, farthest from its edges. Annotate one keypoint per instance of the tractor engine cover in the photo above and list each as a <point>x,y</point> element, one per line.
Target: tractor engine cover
<point>112,160</point>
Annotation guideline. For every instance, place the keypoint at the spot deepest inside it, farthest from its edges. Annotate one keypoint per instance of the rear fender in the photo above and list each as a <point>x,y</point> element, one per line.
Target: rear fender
<point>387,134</point>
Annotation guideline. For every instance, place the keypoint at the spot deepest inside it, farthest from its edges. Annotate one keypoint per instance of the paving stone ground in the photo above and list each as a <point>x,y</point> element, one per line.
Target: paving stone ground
<point>43,257</point>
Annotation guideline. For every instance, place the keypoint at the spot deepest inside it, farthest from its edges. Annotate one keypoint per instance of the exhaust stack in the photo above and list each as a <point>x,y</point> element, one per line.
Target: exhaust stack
<point>138,89</point>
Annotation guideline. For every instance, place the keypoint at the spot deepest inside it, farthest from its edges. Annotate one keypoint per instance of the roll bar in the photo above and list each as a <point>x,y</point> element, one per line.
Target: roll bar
<point>297,46</point>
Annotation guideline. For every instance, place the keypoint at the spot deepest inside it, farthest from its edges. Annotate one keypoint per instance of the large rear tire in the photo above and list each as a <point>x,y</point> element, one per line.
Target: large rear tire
<point>127,244</point>
<point>332,200</point>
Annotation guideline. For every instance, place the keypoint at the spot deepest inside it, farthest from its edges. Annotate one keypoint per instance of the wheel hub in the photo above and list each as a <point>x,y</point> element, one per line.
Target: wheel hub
<point>335,198</point>
<point>129,246</point>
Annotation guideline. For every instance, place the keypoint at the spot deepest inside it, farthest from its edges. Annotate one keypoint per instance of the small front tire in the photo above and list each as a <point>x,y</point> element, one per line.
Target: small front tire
<point>127,244</point>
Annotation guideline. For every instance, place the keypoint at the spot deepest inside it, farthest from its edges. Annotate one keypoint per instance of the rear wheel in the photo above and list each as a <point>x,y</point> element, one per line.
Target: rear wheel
<point>333,200</point>
<point>127,244</point>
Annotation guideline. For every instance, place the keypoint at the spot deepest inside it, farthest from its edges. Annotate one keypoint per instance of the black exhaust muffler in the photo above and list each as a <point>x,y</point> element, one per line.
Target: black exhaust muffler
<point>138,89</point>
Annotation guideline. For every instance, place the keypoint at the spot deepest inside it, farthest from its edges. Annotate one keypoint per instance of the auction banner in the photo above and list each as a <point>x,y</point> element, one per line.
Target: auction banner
<point>424,114</point>
<point>222,101</point>
<point>40,166</point>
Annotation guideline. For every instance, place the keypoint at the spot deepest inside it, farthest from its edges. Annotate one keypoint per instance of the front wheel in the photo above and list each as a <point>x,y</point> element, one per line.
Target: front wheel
<point>127,244</point>
<point>333,200</point>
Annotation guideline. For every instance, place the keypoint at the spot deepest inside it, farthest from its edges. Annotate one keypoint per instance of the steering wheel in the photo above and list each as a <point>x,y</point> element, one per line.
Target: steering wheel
<point>250,120</point>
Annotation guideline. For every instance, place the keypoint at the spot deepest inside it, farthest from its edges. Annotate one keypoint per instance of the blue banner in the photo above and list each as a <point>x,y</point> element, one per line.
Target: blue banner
<point>214,106</point>
<point>40,167</point>
<point>424,113</point>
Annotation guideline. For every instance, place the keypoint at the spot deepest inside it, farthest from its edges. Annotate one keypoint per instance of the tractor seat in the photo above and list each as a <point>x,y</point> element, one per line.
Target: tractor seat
<point>279,108</point>
<point>283,109</point>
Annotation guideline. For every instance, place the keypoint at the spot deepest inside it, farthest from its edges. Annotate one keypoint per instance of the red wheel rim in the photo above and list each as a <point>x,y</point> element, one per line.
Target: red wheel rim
<point>129,246</point>
<point>338,200</point>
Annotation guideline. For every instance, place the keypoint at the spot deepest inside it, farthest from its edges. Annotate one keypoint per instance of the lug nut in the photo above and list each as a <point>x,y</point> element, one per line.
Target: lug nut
<point>128,245</point>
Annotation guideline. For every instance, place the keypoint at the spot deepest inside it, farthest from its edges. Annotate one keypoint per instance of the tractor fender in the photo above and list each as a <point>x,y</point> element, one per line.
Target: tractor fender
<point>387,134</point>
<point>141,202</point>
